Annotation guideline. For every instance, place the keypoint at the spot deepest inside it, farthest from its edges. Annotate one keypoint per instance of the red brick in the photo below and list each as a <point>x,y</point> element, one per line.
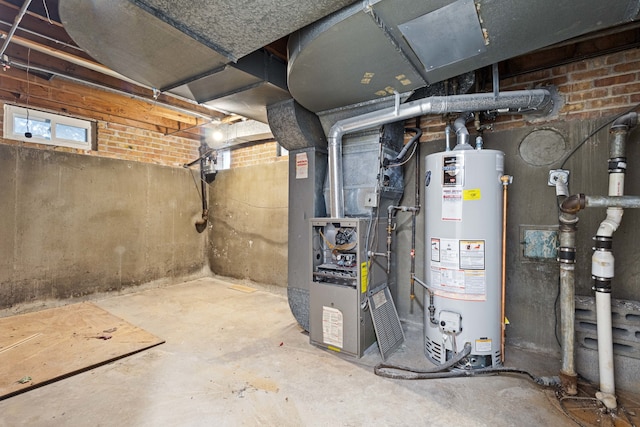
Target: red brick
<point>626,89</point>
<point>627,66</point>
<point>589,74</point>
<point>615,80</point>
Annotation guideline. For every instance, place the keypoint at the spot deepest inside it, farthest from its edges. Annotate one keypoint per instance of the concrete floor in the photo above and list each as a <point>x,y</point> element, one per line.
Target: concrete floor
<point>236,358</point>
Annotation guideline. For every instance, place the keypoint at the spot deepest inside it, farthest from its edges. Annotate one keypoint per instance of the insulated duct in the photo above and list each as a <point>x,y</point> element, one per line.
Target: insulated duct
<point>517,102</point>
<point>300,131</point>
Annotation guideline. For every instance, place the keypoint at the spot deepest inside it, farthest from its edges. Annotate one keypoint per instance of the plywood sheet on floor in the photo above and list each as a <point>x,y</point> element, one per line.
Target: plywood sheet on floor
<point>41,347</point>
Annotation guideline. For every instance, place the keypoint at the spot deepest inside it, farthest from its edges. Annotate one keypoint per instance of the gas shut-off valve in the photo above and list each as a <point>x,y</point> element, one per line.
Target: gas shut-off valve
<point>450,322</point>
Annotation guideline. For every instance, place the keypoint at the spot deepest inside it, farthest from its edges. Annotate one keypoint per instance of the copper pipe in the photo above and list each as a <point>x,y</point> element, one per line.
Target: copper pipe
<point>506,180</point>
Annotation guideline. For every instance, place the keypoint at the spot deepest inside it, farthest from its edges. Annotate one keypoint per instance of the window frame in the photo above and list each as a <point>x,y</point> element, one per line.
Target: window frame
<point>11,111</point>
<point>223,159</point>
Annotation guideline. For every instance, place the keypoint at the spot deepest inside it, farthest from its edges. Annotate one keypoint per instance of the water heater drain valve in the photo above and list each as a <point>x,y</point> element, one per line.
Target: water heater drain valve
<point>450,322</point>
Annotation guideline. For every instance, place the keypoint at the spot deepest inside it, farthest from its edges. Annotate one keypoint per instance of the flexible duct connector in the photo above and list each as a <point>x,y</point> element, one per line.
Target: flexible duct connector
<point>517,102</point>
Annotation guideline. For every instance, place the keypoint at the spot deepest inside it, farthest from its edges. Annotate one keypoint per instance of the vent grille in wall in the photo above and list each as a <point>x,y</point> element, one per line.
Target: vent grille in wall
<point>625,317</point>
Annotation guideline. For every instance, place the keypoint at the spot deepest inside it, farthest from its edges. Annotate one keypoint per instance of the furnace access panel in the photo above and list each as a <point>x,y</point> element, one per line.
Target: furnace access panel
<point>339,317</point>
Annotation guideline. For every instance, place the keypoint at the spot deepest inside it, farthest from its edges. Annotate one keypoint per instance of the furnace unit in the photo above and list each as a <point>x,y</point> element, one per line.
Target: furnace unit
<point>342,280</point>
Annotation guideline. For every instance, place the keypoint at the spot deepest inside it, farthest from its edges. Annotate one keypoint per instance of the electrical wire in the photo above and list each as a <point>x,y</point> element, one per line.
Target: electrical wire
<point>196,184</point>
<point>343,247</point>
<point>413,151</point>
<point>28,133</point>
<point>46,10</point>
<point>577,147</point>
<point>555,314</point>
<point>415,141</point>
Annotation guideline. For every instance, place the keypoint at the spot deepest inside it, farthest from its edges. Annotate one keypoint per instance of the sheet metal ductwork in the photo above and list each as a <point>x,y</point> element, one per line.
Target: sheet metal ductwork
<point>370,49</point>
<point>210,52</point>
<point>341,52</point>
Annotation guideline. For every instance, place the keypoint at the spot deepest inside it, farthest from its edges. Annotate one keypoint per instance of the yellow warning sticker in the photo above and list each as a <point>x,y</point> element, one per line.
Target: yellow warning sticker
<point>364,273</point>
<point>483,345</point>
<point>473,194</point>
<point>332,348</point>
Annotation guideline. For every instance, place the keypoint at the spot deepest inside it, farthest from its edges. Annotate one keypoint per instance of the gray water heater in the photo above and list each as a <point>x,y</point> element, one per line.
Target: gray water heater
<point>463,255</point>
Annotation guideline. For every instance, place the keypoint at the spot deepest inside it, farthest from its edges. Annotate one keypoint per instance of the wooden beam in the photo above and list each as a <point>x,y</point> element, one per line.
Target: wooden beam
<point>78,100</point>
<point>567,52</point>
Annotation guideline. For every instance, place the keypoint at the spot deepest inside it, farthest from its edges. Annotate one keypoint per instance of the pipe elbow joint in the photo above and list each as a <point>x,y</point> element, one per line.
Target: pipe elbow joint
<point>573,204</point>
<point>611,223</point>
<point>626,122</point>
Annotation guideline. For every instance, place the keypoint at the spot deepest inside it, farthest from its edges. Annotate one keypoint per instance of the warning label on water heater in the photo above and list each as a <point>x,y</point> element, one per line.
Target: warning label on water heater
<point>452,204</point>
<point>458,269</point>
<point>472,254</point>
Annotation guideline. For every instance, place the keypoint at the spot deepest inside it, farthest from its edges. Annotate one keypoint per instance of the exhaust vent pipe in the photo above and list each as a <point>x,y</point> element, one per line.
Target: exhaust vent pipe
<point>515,102</point>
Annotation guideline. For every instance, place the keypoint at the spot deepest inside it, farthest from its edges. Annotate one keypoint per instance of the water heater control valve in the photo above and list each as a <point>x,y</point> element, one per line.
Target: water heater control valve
<point>450,322</point>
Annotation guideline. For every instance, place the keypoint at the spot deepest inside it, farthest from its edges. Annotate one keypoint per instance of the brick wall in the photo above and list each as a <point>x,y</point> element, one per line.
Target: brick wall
<point>129,143</point>
<point>590,89</point>
<point>123,142</point>
<point>142,145</point>
<point>256,154</point>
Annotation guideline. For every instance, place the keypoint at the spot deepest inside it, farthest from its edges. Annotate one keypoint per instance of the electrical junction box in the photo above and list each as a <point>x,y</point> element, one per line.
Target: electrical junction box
<point>450,322</point>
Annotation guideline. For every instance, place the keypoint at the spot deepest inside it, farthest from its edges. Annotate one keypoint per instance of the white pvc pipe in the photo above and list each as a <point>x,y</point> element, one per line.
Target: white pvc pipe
<point>605,344</point>
<point>616,184</point>
<point>603,262</point>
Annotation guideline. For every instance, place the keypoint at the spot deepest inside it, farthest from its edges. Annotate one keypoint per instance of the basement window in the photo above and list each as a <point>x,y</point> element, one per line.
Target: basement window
<point>281,151</point>
<point>25,124</point>
<point>224,159</point>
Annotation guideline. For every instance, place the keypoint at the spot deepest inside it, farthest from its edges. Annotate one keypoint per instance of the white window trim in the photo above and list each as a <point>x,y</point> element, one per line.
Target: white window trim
<point>224,159</point>
<point>12,110</point>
